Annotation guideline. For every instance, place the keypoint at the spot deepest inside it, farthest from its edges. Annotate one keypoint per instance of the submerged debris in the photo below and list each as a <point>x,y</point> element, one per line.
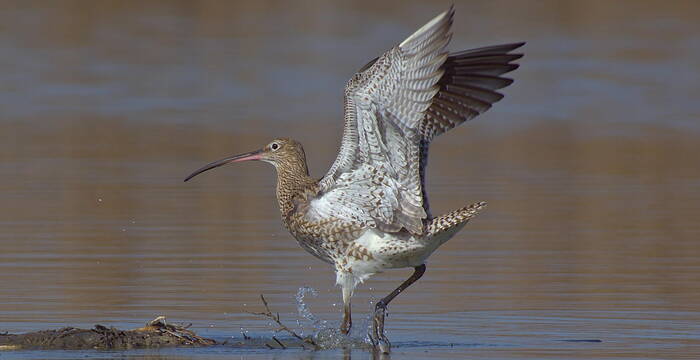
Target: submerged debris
<point>157,333</point>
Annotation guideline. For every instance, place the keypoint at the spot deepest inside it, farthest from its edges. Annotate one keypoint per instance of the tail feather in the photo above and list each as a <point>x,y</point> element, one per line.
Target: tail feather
<point>454,220</point>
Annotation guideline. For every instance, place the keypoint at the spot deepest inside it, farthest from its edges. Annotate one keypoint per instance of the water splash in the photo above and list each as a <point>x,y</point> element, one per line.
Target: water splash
<point>302,307</point>
<point>325,333</point>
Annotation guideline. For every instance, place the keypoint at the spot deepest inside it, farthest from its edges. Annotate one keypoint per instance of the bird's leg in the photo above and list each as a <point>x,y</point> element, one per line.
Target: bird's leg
<point>347,319</point>
<point>347,316</point>
<point>377,335</point>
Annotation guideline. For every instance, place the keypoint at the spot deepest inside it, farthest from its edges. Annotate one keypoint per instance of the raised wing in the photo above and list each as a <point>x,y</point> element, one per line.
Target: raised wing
<point>394,106</point>
<point>375,179</point>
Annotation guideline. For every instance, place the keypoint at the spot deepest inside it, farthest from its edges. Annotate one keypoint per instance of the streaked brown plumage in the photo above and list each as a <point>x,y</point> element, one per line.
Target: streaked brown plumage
<point>370,211</point>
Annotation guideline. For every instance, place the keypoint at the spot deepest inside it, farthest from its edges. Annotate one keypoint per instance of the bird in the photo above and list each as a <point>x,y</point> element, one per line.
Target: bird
<point>370,211</point>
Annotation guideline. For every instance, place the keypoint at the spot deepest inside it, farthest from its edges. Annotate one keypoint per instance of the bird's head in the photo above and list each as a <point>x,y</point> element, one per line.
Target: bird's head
<point>281,152</point>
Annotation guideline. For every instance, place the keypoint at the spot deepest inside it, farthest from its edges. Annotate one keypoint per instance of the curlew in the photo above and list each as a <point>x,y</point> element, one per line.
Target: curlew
<point>370,211</point>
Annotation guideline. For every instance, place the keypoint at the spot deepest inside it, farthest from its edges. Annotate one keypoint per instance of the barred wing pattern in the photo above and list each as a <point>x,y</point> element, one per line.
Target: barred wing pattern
<point>393,107</point>
<point>375,179</point>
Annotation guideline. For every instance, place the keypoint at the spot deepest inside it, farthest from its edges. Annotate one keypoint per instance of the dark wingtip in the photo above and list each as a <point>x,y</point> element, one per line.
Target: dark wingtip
<point>513,46</point>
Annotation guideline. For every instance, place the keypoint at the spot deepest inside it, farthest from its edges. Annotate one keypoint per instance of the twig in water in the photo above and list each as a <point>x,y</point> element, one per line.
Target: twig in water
<point>279,342</point>
<point>276,318</point>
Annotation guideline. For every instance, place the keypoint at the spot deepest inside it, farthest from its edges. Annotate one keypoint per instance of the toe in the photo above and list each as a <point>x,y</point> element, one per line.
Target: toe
<point>385,346</point>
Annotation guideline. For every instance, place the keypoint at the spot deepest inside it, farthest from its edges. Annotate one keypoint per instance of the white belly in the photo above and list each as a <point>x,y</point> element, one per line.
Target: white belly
<point>385,251</point>
<point>391,250</point>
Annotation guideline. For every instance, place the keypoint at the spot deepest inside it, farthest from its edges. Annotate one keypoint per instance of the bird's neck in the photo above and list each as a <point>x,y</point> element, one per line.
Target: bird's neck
<point>293,184</point>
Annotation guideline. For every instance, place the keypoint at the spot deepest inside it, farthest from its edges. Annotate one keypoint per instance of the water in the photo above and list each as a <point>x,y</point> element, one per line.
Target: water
<point>588,165</point>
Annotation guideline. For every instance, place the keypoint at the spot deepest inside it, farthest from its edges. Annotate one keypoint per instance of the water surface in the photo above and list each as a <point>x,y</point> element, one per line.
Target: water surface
<point>589,167</point>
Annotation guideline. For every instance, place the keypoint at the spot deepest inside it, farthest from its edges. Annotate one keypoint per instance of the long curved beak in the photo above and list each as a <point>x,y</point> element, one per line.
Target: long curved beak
<point>253,155</point>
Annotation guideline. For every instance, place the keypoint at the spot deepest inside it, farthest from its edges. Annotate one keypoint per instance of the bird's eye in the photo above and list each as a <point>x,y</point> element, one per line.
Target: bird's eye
<point>275,146</point>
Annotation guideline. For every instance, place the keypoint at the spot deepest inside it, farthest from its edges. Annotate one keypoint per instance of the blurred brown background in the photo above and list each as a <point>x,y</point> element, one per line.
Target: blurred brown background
<point>589,165</point>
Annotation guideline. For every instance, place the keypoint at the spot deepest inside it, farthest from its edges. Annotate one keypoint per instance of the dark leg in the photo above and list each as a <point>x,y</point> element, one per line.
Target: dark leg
<point>347,295</point>
<point>377,335</point>
<point>347,319</point>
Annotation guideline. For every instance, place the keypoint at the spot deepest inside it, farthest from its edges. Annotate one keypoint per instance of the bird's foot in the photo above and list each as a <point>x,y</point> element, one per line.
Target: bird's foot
<point>376,335</point>
<point>345,329</point>
<point>347,321</point>
<point>380,342</point>
<point>384,345</point>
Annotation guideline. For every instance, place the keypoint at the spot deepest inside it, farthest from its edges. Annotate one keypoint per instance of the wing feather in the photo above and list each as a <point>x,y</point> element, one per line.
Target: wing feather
<point>394,106</point>
<point>384,105</point>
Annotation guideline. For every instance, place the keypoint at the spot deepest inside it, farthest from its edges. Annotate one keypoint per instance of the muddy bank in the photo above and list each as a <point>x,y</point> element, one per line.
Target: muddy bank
<point>157,333</point>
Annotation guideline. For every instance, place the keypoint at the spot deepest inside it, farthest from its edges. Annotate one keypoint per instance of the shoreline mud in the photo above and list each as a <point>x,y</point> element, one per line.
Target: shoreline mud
<point>156,334</point>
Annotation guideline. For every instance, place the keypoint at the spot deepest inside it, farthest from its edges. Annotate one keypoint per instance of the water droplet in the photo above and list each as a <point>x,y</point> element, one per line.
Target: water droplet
<point>302,307</point>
